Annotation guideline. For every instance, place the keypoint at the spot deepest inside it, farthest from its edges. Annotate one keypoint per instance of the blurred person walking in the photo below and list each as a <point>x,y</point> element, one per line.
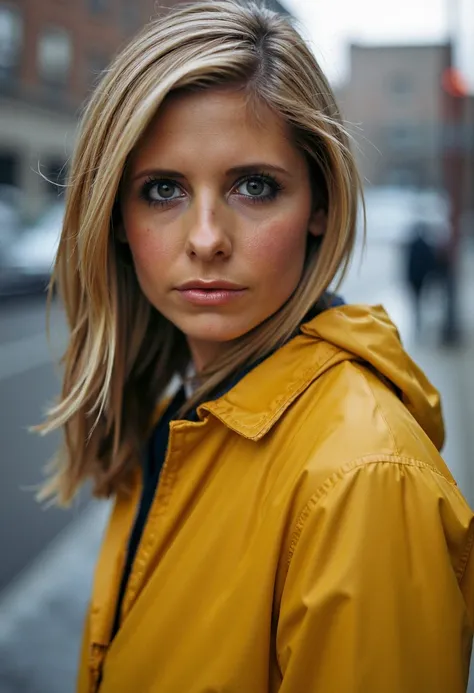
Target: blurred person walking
<point>422,266</point>
<point>283,519</point>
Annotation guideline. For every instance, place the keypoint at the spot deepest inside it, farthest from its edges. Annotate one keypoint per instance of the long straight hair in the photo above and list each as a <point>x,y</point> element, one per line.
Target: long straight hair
<point>122,354</point>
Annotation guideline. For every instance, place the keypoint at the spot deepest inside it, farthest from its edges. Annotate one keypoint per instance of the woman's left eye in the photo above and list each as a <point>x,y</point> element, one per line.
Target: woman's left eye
<point>258,188</point>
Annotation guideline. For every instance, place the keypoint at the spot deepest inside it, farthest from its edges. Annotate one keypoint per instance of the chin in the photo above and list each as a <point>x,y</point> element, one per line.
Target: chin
<point>215,328</point>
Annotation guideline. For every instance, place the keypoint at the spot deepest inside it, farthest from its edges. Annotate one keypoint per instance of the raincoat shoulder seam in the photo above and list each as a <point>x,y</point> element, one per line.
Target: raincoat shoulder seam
<point>332,481</point>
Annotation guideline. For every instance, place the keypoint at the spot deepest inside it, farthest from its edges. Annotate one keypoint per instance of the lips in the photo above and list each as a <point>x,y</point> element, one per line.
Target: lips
<point>210,285</point>
<point>210,293</point>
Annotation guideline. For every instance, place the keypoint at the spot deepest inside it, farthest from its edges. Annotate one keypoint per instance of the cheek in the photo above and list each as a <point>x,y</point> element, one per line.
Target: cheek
<point>148,245</point>
<point>278,246</point>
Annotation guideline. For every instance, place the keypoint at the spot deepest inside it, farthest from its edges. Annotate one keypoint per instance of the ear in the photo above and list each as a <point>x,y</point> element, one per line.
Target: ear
<point>318,223</point>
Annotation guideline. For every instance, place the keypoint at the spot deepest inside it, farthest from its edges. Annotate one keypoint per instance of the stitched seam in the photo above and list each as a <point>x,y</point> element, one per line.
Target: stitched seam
<point>163,492</point>
<point>341,473</point>
<point>283,400</point>
<point>303,381</point>
<point>465,557</point>
<point>335,357</point>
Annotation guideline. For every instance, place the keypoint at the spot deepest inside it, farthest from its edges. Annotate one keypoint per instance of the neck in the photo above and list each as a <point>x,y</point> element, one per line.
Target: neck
<point>204,353</point>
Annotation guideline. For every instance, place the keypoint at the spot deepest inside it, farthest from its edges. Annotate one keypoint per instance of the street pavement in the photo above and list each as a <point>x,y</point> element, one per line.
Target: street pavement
<point>27,384</point>
<point>45,592</point>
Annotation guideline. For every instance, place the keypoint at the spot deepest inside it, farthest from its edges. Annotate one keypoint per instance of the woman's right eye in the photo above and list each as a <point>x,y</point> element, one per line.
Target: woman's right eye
<point>161,192</point>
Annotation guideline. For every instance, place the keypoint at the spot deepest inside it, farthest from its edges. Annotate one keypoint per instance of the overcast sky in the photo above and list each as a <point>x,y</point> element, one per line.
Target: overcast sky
<point>332,24</point>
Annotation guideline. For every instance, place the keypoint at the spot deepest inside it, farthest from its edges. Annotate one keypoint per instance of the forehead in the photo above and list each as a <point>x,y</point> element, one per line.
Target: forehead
<point>218,124</point>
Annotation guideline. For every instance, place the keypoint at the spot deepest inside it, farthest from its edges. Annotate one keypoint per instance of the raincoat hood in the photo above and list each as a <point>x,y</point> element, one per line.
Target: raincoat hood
<point>367,333</point>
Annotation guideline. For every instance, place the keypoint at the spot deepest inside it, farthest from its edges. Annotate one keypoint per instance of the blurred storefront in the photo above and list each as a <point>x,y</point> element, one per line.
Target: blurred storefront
<point>52,52</point>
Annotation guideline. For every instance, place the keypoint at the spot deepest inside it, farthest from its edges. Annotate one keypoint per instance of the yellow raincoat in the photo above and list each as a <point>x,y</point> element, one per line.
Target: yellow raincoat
<point>305,536</point>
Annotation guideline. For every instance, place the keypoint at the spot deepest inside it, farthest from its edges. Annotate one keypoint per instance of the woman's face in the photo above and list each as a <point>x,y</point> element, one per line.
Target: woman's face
<point>216,209</point>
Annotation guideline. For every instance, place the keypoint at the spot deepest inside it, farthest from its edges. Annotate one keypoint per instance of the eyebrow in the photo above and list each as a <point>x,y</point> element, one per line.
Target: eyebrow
<point>256,167</point>
<point>161,172</point>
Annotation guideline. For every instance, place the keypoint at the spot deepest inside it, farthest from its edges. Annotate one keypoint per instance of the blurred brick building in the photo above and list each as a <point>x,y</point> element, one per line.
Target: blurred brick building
<point>394,104</point>
<point>51,55</point>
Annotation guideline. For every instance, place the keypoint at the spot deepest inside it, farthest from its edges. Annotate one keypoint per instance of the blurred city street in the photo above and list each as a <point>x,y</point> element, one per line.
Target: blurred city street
<point>405,84</point>
<point>42,609</point>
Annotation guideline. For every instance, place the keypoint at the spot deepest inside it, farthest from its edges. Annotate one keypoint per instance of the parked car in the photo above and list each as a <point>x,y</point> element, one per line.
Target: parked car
<point>30,257</point>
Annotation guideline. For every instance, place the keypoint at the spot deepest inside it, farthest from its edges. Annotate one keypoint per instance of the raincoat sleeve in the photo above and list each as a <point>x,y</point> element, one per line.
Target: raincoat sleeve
<point>379,590</point>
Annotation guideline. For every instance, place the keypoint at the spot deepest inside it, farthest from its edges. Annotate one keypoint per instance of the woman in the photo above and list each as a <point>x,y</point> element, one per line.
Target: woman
<point>283,521</point>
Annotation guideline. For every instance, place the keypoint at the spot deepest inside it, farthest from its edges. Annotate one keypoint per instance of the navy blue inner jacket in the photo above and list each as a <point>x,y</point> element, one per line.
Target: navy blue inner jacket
<point>156,452</point>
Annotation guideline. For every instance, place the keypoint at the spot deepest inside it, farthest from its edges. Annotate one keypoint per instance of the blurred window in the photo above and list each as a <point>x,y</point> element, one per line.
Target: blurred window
<point>55,56</point>
<point>403,136</point>
<point>11,42</point>
<point>401,85</point>
<point>100,6</point>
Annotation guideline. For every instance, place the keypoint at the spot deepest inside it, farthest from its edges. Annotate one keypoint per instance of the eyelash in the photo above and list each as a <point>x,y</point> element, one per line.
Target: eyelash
<point>274,185</point>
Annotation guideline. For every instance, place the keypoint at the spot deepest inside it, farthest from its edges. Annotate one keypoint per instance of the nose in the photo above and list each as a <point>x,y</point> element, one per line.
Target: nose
<point>208,238</point>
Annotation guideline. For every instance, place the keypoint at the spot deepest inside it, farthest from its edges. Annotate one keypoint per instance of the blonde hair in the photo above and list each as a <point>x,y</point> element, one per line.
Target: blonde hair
<point>122,353</point>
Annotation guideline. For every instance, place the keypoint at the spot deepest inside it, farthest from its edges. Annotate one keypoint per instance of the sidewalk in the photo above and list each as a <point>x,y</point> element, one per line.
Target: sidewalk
<point>41,614</point>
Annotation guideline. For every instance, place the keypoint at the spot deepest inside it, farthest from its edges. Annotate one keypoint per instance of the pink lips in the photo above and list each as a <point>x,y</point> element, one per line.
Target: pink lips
<point>210,293</point>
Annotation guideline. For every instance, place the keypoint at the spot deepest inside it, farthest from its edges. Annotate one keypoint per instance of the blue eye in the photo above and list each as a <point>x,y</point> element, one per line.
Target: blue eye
<point>253,188</point>
<point>258,188</point>
<point>161,191</point>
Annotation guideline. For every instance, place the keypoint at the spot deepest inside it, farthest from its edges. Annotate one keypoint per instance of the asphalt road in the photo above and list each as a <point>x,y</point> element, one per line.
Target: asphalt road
<point>27,383</point>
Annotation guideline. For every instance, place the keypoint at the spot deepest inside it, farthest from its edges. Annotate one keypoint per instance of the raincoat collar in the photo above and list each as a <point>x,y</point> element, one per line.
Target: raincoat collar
<point>343,333</point>
<point>261,397</point>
